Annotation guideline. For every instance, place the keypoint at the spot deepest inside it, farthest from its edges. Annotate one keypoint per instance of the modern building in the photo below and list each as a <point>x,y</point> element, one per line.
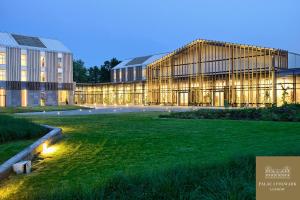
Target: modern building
<point>127,86</point>
<point>34,71</point>
<point>202,73</point>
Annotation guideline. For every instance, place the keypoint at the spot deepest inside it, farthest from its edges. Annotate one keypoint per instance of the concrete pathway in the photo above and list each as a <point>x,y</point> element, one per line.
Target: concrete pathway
<point>117,109</point>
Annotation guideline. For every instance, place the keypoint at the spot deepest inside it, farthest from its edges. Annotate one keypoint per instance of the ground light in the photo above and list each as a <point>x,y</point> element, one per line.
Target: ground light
<point>47,150</point>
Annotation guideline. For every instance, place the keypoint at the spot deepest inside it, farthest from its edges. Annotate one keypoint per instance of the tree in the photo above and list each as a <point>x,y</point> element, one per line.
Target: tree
<point>79,72</point>
<point>94,75</point>
<point>106,68</point>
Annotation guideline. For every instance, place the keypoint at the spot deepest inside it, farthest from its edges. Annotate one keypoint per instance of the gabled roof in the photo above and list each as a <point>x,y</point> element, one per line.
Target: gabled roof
<point>217,43</point>
<point>29,42</point>
<point>139,61</point>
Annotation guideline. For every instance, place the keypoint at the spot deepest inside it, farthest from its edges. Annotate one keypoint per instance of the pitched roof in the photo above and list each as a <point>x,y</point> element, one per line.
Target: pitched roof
<point>29,42</point>
<point>139,61</point>
<point>213,42</point>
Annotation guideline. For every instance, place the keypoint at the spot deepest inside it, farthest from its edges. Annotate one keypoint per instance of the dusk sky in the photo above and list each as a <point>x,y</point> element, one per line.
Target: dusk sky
<point>97,30</point>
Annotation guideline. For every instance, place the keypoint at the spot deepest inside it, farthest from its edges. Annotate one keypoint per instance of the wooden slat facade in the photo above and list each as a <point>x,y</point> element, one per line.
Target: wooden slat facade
<point>13,69</point>
<point>33,68</point>
<point>67,70</point>
<point>51,66</point>
<point>208,73</point>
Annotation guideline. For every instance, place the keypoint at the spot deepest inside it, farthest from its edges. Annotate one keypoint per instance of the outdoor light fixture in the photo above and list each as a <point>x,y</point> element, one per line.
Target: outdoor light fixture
<point>45,147</point>
<point>47,150</point>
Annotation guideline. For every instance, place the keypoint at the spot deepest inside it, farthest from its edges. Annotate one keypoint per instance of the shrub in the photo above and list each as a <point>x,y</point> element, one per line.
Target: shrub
<point>287,112</point>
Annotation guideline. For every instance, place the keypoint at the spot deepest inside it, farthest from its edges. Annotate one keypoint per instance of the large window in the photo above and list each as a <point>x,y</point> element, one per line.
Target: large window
<point>60,68</point>
<point>43,77</point>
<point>23,75</point>
<point>2,58</point>
<point>2,97</point>
<point>23,98</point>
<point>2,75</point>
<point>43,67</point>
<point>63,97</point>
<point>23,59</point>
<point>43,60</point>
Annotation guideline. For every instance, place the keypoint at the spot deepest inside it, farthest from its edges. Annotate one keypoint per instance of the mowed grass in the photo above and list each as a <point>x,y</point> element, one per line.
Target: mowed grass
<point>11,110</point>
<point>7,150</point>
<point>16,134</point>
<point>97,148</point>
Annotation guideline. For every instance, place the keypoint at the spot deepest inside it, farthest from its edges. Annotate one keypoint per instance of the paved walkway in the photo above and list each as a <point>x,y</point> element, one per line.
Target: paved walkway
<point>116,109</point>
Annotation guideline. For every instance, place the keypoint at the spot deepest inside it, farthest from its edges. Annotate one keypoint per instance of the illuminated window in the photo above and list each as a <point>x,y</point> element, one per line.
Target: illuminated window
<point>23,75</point>
<point>43,60</point>
<point>23,60</point>
<point>2,58</point>
<point>2,97</point>
<point>59,60</point>
<point>2,74</point>
<point>63,97</point>
<point>23,98</point>
<point>43,77</point>
<point>60,68</point>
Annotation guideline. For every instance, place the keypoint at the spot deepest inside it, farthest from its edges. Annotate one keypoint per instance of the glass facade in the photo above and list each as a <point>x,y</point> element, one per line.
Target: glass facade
<point>111,93</point>
<point>63,97</point>
<point>204,73</point>
<point>208,73</point>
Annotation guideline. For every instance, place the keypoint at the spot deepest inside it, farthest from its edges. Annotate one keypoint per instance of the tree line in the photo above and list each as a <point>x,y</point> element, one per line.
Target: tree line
<point>95,74</point>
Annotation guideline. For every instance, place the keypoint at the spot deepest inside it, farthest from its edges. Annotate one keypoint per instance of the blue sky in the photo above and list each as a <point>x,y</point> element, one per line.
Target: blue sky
<point>97,30</point>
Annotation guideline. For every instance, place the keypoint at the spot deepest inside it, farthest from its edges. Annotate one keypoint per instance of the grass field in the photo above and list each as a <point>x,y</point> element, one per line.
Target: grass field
<point>10,110</point>
<point>7,150</point>
<point>97,148</point>
<point>16,134</point>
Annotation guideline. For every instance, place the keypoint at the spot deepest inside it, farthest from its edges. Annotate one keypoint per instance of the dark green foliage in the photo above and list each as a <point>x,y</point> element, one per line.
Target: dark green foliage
<point>106,68</point>
<point>287,112</point>
<point>94,74</point>
<point>18,129</point>
<point>234,180</point>
<point>82,74</point>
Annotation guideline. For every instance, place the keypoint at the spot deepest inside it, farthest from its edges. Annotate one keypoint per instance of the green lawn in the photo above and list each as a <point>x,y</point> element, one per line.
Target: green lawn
<point>11,110</point>
<point>7,150</point>
<point>99,147</point>
<point>17,133</point>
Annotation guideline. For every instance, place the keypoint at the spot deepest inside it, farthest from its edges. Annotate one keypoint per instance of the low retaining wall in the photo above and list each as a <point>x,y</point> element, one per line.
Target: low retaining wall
<point>28,153</point>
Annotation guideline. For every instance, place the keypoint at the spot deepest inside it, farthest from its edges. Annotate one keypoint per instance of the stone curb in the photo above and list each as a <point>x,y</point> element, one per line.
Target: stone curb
<point>28,153</point>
